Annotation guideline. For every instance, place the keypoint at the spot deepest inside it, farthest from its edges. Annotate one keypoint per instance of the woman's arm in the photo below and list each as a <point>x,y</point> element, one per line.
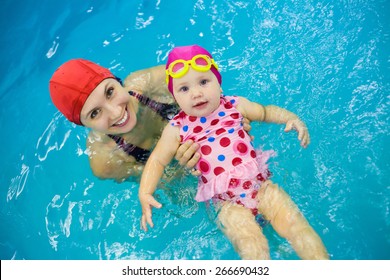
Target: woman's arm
<point>274,114</point>
<point>161,156</point>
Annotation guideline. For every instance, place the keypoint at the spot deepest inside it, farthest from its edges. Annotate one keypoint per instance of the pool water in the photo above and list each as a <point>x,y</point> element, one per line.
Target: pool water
<point>327,61</point>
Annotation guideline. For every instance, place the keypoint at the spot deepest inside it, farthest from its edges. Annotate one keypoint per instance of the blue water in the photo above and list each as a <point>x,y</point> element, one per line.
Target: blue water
<point>327,61</point>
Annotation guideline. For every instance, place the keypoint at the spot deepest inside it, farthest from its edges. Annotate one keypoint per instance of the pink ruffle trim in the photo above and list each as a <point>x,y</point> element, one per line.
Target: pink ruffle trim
<point>247,170</point>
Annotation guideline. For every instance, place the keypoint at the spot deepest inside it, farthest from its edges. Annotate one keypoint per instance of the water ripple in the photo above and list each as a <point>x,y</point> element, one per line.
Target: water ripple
<point>53,49</point>
<point>48,141</point>
<point>18,183</point>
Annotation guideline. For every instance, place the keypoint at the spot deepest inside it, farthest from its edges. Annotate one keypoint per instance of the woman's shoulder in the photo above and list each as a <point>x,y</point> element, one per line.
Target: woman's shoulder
<point>151,83</point>
<point>104,155</point>
<point>99,143</point>
<point>98,137</point>
<point>147,73</point>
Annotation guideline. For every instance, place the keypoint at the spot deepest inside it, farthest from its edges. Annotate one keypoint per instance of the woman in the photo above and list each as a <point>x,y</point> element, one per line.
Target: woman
<point>125,120</point>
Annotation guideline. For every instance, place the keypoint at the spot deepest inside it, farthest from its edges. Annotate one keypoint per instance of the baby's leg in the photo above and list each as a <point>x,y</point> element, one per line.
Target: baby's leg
<point>240,226</point>
<point>285,217</point>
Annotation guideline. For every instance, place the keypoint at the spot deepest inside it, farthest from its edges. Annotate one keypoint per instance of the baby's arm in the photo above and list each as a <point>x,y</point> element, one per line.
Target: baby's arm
<point>161,156</point>
<point>274,114</point>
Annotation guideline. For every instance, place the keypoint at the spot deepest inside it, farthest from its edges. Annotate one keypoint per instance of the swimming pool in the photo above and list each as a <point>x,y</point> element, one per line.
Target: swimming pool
<point>327,61</point>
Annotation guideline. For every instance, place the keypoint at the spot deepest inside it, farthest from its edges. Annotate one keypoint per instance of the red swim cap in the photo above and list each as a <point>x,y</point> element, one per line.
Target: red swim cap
<point>72,83</point>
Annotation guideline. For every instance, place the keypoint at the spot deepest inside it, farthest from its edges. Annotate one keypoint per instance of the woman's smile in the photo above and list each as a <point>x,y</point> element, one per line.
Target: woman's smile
<point>123,121</point>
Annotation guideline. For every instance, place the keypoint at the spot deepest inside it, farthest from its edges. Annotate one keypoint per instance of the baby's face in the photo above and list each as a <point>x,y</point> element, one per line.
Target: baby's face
<point>197,93</point>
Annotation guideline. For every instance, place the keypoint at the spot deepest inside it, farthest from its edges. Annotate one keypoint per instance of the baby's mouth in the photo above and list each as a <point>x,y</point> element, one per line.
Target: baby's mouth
<point>200,104</point>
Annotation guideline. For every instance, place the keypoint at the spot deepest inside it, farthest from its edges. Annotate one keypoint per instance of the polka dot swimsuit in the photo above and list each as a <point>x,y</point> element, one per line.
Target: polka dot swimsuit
<point>231,169</point>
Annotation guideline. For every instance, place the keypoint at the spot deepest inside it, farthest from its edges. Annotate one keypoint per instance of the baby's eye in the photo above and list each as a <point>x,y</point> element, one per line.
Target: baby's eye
<point>184,89</point>
<point>204,82</point>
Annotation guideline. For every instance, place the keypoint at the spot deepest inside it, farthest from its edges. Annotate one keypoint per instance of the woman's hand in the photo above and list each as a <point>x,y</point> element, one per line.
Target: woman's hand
<point>147,201</point>
<point>246,125</point>
<point>188,156</point>
<point>300,127</point>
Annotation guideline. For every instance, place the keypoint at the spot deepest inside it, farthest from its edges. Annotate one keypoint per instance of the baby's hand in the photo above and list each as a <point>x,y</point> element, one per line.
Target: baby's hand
<point>300,127</point>
<point>147,201</point>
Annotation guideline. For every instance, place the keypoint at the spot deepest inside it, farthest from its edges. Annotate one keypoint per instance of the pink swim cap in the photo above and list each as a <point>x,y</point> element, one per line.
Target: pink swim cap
<point>187,53</point>
<point>72,83</point>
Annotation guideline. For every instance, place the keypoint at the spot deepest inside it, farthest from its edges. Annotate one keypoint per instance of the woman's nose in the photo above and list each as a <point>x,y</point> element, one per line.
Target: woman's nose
<point>113,110</point>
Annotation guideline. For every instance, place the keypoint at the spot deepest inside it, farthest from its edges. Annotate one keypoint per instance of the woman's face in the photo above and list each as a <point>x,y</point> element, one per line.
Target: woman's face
<point>108,109</point>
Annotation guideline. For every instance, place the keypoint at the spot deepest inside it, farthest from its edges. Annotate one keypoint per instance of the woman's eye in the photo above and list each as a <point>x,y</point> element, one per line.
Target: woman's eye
<point>109,92</point>
<point>94,113</point>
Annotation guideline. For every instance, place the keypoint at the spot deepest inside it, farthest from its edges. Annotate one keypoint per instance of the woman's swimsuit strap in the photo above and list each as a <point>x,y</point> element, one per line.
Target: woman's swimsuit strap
<point>166,111</point>
<point>141,155</point>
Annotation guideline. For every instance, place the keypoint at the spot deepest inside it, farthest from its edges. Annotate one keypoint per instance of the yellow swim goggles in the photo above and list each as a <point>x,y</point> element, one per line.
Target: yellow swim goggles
<point>179,67</point>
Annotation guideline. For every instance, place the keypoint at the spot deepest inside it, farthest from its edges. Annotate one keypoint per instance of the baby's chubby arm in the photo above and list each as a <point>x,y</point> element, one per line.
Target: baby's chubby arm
<point>274,114</point>
<point>161,156</point>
